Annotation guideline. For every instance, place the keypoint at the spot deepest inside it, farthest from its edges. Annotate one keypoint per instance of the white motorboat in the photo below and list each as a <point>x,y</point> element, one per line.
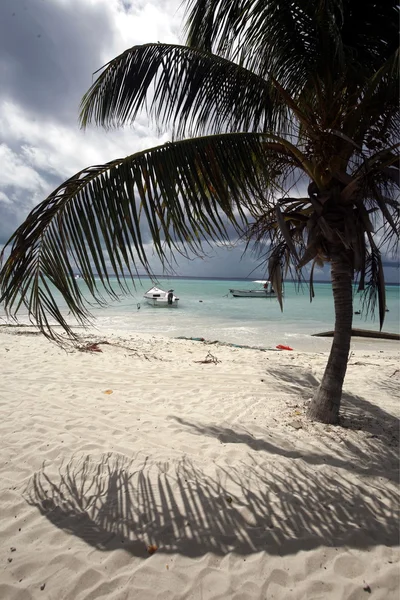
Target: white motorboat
<point>157,297</point>
<point>265,291</point>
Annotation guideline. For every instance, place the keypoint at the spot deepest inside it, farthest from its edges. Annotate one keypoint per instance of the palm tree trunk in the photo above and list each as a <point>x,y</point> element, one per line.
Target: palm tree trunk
<point>326,402</point>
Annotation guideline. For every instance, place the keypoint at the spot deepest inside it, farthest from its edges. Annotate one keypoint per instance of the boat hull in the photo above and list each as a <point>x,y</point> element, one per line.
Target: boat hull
<point>160,298</point>
<point>252,294</point>
<point>158,303</point>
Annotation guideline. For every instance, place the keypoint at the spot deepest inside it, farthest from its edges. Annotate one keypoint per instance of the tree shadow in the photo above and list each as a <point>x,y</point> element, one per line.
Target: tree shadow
<point>372,452</point>
<point>294,380</point>
<point>368,459</point>
<point>356,412</point>
<point>114,502</point>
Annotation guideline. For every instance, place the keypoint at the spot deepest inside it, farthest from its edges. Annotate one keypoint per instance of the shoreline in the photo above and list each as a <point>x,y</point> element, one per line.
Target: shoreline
<point>149,468</point>
<point>318,343</point>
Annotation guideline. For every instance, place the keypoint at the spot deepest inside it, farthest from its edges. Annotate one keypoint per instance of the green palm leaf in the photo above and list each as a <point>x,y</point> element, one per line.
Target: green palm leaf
<point>182,193</point>
<point>190,89</point>
<point>296,42</point>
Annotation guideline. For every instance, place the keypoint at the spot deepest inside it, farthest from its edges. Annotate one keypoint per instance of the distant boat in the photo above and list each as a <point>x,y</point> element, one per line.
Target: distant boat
<point>77,276</point>
<point>160,298</point>
<point>266,291</point>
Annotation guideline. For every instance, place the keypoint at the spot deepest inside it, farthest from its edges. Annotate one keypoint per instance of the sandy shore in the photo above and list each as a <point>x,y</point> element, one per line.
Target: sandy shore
<point>169,469</point>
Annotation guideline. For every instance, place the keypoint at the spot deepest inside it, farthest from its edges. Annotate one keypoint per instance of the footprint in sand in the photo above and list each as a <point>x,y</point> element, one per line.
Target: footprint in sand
<point>348,566</point>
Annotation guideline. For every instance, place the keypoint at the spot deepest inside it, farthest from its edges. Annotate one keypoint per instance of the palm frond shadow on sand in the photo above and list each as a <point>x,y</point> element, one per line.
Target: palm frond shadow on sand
<point>372,453</point>
<point>114,502</point>
<point>356,412</point>
<point>378,454</point>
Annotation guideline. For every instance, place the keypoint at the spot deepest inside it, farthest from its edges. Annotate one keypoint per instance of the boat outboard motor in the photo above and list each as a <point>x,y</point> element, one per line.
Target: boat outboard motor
<point>170,296</point>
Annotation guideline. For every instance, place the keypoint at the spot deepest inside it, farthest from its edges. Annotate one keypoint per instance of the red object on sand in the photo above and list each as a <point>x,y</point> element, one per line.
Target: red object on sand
<point>280,347</point>
<point>92,348</point>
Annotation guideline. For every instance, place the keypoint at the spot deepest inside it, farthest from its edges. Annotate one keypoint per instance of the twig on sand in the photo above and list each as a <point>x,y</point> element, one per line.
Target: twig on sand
<point>209,359</point>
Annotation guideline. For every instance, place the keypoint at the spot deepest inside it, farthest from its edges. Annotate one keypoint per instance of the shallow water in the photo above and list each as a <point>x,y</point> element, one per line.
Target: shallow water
<point>207,310</point>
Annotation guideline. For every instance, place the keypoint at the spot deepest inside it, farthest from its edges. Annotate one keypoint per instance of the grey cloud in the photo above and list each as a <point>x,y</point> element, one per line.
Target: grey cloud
<point>48,51</point>
<point>12,215</point>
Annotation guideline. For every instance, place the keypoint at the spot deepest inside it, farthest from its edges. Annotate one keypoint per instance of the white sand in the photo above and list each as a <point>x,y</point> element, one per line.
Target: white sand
<point>214,464</point>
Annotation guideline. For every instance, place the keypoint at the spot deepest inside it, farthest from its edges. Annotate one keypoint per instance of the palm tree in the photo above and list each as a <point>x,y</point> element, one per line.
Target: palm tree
<point>279,93</point>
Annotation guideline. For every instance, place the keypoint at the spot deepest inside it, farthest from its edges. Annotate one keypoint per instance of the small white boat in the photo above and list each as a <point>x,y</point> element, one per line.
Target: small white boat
<point>157,297</point>
<point>266,291</point>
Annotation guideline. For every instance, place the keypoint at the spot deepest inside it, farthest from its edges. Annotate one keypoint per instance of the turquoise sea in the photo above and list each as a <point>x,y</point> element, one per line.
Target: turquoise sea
<point>207,310</point>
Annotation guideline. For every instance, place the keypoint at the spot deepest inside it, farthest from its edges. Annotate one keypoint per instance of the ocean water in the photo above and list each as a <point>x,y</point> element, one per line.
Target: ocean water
<point>207,310</point>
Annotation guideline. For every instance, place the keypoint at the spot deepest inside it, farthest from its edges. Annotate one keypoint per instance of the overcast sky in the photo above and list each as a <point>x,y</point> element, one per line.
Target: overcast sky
<point>48,52</point>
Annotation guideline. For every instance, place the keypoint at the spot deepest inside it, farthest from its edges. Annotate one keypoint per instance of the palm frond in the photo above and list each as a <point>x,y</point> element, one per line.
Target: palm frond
<point>297,41</point>
<point>374,291</point>
<point>286,233</point>
<point>312,292</point>
<point>181,194</point>
<point>188,89</point>
<point>373,114</point>
<point>279,238</point>
<point>275,269</point>
<point>244,28</point>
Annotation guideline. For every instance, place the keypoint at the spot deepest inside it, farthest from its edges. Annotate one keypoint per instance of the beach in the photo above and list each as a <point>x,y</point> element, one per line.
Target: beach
<point>207,310</point>
<point>143,466</point>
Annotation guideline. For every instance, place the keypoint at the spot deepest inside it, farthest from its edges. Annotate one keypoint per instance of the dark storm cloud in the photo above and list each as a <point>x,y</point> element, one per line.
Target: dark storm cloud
<point>11,216</point>
<point>48,52</point>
